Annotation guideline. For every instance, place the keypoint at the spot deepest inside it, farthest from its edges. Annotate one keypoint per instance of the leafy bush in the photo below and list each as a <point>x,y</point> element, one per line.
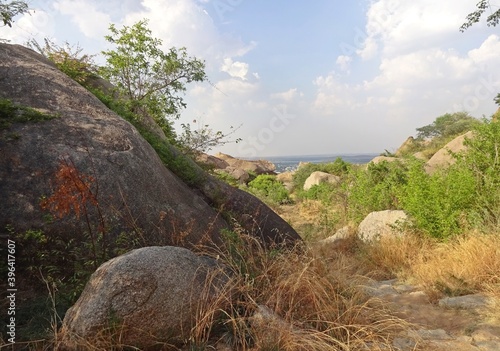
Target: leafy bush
<point>482,160</point>
<point>439,202</point>
<point>375,188</point>
<point>267,186</point>
<point>69,59</point>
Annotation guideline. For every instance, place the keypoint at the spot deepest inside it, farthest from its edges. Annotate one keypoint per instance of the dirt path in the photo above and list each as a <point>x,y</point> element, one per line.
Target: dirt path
<point>453,324</point>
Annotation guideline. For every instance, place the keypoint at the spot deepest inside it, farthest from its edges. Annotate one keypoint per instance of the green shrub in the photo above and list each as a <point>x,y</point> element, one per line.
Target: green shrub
<point>374,189</point>
<point>267,187</point>
<point>482,160</point>
<point>438,203</point>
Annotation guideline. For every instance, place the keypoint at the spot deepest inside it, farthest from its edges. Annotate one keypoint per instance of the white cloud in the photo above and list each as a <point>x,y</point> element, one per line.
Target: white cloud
<point>344,61</point>
<point>397,27</point>
<point>92,22</point>
<point>288,96</point>
<point>488,51</point>
<point>235,69</point>
<point>38,24</point>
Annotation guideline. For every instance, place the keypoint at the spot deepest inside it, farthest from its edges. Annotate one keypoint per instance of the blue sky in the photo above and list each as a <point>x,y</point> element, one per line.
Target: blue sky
<point>302,78</point>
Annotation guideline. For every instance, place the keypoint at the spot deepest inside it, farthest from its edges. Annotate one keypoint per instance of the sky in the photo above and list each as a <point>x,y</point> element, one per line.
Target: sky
<point>303,77</point>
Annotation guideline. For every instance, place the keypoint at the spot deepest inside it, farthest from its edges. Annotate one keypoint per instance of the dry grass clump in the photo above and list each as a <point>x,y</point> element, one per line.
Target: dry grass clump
<point>465,265</point>
<point>392,257</point>
<point>284,299</point>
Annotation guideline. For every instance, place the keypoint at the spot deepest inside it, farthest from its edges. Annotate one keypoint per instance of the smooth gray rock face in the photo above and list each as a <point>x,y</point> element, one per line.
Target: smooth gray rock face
<point>135,189</point>
<point>381,224</point>
<point>149,295</point>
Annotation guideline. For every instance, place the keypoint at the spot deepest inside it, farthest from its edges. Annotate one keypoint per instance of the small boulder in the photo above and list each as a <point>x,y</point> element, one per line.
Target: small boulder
<point>149,295</point>
<point>380,159</point>
<point>318,177</point>
<point>381,224</point>
<point>286,178</point>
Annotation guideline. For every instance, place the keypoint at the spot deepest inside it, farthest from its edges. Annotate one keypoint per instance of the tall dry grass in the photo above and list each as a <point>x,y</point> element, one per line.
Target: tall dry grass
<point>296,300</point>
<point>466,264</point>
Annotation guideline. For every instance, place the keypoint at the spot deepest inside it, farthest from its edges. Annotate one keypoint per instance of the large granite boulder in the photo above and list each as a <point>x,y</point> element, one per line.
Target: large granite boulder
<point>443,158</point>
<point>128,188</point>
<point>131,186</point>
<point>146,297</point>
<point>319,177</point>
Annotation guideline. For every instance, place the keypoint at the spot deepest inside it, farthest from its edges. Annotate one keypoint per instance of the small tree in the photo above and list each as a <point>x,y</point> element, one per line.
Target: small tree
<point>148,79</point>
<point>448,125</point>
<point>492,20</point>
<point>10,10</point>
<point>204,138</point>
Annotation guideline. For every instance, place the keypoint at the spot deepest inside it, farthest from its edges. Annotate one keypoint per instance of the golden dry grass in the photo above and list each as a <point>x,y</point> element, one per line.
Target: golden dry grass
<point>467,264</point>
<point>299,300</point>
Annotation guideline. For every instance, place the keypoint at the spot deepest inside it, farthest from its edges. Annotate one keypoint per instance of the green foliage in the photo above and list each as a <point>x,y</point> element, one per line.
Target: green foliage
<point>338,167</point>
<point>482,160</point>
<point>374,189</point>
<point>10,10</point>
<point>69,59</point>
<point>322,192</point>
<point>148,79</point>
<point>12,113</point>
<point>266,186</point>
<point>492,20</point>
<point>448,125</point>
<point>438,203</point>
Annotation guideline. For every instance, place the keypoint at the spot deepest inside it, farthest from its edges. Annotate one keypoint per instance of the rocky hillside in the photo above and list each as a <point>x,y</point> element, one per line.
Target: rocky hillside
<point>88,169</point>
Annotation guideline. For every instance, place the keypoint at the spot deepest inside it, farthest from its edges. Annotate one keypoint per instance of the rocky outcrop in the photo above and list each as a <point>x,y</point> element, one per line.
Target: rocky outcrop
<point>146,297</point>
<point>381,224</point>
<point>257,167</point>
<point>406,147</point>
<point>236,168</point>
<point>443,158</point>
<point>318,177</point>
<point>211,161</point>
<point>133,188</point>
<point>439,327</point>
